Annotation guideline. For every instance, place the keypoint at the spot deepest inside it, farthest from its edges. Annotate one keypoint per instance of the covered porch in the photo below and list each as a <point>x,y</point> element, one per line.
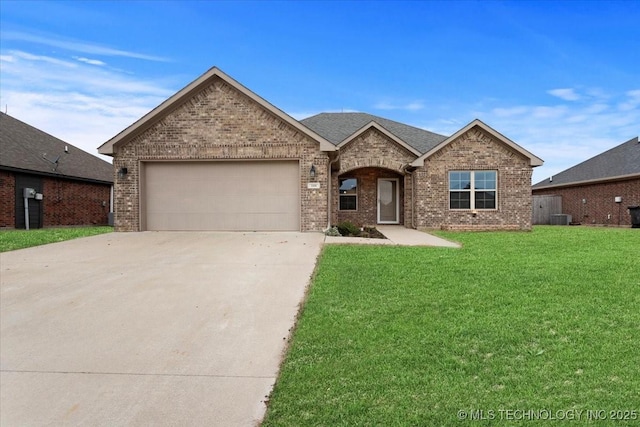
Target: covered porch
<point>369,196</point>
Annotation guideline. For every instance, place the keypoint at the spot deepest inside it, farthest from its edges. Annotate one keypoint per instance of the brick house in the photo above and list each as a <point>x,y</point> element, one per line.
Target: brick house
<point>216,156</point>
<point>599,190</point>
<point>75,187</point>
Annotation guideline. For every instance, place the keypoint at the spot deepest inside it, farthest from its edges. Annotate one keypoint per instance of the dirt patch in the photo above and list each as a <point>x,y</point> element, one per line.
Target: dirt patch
<point>371,233</point>
<point>348,229</point>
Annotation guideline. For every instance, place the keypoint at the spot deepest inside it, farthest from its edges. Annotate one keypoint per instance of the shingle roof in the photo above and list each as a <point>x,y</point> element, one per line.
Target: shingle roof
<point>617,162</point>
<point>336,127</point>
<point>23,148</point>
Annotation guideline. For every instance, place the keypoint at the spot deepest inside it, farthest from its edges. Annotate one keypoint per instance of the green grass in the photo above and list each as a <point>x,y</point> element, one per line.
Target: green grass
<point>11,240</point>
<point>401,336</point>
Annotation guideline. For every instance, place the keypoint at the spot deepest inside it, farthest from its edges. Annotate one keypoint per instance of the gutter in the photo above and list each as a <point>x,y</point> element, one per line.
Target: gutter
<point>54,175</point>
<point>551,185</point>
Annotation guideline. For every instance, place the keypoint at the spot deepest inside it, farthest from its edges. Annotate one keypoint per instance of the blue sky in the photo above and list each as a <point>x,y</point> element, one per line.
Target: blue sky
<point>562,79</point>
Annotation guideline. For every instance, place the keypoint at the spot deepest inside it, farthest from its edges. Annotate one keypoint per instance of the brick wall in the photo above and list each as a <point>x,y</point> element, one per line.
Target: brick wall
<point>474,150</point>
<point>370,156</point>
<point>65,202</point>
<point>367,212</point>
<point>599,206</point>
<point>374,149</point>
<point>220,123</point>
<point>69,202</point>
<point>7,199</point>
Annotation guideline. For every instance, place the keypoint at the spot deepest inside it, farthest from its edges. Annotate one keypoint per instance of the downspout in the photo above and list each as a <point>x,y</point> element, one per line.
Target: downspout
<point>111,216</point>
<point>329,190</point>
<point>26,210</point>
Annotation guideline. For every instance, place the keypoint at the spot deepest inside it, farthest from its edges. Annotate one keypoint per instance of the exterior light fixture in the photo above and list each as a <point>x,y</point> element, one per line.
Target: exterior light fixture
<point>122,172</point>
<point>312,171</point>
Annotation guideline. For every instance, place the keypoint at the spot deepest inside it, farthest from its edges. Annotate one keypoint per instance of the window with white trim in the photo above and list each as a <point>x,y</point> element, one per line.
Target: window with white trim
<point>473,189</point>
<point>349,194</point>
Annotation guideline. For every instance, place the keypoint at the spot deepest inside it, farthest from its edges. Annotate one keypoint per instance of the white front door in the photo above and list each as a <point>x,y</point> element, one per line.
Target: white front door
<point>388,201</point>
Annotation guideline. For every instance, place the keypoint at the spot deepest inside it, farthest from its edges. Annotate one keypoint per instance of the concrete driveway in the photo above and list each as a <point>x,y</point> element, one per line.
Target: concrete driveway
<point>154,328</point>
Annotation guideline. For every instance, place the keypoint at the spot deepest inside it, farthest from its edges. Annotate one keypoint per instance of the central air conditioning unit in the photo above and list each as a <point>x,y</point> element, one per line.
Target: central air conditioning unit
<point>560,219</point>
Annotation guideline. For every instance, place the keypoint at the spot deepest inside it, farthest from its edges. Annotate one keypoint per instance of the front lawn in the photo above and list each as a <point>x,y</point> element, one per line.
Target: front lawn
<point>11,240</point>
<point>513,327</point>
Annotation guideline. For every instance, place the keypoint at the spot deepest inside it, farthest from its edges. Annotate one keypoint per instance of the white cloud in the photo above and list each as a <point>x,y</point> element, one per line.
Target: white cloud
<point>447,126</point>
<point>566,135</point>
<point>545,112</point>
<point>75,101</point>
<point>24,71</point>
<point>634,94</point>
<point>89,61</point>
<point>510,112</point>
<point>414,106</point>
<point>78,46</point>
<point>410,106</point>
<point>16,54</point>
<point>596,108</point>
<point>597,93</point>
<point>632,101</point>
<point>565,94</point>
<point>577,118</point>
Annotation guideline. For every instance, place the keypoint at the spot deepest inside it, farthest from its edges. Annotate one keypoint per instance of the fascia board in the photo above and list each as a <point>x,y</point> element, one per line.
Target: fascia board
<point>381,129</point>
<point>534,160</point>
<point>588,182</point>
<point>174,101</point>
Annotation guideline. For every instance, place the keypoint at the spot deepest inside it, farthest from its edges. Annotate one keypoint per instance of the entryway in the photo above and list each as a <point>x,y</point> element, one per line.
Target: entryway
<point>388,201</point>
<point>369,196</point>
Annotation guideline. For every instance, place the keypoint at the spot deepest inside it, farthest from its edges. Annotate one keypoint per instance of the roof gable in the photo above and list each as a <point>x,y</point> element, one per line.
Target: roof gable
<point>337,127</point>
<point>619,162</point>
<point>374,125</point>
<point>26,148</point>
<point>186,93</point>
<point>534,160</point>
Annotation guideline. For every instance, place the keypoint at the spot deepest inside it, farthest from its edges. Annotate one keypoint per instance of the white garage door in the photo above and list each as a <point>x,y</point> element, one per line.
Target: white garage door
<point>235,196</point>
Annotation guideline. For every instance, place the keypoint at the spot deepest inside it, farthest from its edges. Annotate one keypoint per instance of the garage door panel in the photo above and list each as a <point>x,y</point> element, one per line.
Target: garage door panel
<point>261,195</point>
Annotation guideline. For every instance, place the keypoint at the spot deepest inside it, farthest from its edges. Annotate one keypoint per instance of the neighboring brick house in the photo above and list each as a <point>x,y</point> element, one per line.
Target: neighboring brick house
<point>216,156</point>
<point>599,190</point>
<point>75,186</point>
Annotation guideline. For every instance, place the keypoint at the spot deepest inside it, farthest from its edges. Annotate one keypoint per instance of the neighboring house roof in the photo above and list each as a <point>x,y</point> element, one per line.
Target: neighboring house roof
<point>619,162</point>
<point>534,160</point>
<point>24,148</point>
<point>337,127</point>
<point>190,90</point>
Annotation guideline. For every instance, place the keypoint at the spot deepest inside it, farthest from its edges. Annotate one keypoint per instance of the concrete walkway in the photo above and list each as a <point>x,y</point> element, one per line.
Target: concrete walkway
<point>396,235</point>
